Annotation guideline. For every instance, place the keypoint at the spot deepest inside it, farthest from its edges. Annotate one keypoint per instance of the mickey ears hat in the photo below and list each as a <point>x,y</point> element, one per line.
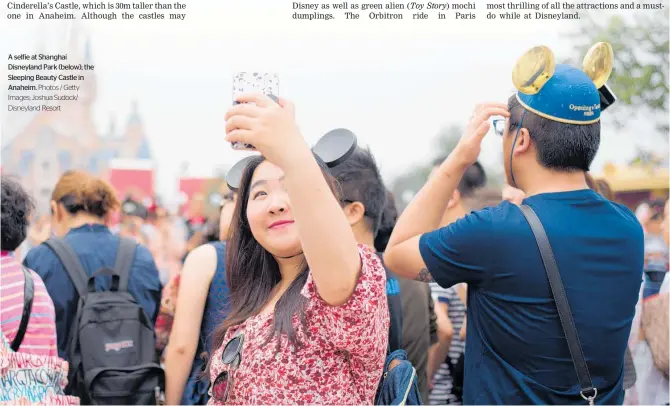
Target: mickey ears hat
<point>562,92</point>
<point>333,148</point>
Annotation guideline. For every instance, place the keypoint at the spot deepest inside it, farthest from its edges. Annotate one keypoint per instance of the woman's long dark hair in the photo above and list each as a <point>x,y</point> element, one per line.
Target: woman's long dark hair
<point>252,272</point>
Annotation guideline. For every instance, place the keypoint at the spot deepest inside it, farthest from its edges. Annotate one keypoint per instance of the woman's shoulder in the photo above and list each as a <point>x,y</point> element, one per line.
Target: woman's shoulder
<point>203,253</point>
<point>201,262</point>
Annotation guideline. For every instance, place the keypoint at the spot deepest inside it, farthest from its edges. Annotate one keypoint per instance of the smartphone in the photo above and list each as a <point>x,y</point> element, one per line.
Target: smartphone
<point>254,82</point>
<point>607,98</point>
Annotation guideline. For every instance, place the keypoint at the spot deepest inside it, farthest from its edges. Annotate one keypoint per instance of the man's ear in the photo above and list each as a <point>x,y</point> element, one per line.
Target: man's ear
<point>523,142</point>
<point>355,212</point>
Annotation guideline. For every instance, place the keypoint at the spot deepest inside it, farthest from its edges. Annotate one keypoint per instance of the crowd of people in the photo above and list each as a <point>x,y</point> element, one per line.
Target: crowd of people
<point>310,287</point>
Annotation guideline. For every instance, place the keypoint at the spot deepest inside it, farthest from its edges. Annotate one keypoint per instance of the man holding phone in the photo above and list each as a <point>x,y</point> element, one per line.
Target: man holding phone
<point>516,347</point>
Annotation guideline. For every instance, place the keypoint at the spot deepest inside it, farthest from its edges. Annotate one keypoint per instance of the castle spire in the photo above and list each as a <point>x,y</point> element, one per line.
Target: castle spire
<point>72,38</point>
<point>134,118</point>
<point>112,126</point>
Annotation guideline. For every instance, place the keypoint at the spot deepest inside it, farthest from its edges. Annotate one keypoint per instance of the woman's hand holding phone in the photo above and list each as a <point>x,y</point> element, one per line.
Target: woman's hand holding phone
<point>267,125</point>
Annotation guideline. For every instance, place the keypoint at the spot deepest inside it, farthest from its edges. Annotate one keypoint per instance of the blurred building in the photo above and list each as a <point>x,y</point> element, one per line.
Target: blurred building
<point>207,192</point>
<point>632,184</point>
<point>39,146</point>
<point>133,178</point>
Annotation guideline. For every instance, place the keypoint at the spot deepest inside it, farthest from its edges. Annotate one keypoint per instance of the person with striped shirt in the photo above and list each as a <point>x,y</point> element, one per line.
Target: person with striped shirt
<point>40,335</point>
<point>450,303</point>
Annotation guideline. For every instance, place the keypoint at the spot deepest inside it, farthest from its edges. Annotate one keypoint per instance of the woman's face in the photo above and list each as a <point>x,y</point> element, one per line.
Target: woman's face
<point>269,212</point>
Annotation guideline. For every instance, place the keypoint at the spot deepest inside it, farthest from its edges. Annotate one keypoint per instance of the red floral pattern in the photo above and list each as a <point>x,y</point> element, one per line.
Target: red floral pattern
<point>341,363</point>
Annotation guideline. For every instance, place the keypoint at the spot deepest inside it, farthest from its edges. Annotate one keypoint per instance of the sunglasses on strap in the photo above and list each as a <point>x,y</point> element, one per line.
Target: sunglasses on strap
<point>232,355</point>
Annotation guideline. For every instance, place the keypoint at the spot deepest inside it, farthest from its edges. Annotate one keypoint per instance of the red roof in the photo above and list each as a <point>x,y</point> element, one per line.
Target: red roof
<point>132,178</point>
<point>191,186</point>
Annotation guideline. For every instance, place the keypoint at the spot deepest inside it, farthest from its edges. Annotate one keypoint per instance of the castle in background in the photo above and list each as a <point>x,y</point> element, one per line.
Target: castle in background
<point>39,146</point>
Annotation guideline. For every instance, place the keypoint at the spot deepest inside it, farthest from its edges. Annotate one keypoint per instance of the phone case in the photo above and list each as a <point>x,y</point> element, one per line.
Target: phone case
<point>254,82</point>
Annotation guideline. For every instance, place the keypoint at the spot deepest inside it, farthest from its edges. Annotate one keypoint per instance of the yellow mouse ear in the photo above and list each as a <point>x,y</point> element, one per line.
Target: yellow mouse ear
<point>598,63</point>
<point>533,70</point>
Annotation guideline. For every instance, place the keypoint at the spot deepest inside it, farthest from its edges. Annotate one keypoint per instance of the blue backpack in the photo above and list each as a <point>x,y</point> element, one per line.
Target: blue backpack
<point>399,385</point>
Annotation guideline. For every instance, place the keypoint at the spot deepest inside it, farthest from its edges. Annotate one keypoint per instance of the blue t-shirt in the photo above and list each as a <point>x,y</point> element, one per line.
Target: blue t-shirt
<point>516,352</point>
<point>96,247</point>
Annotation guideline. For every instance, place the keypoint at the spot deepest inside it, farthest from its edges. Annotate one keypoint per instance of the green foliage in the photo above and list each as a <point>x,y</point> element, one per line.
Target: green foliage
<point>447,139</point>
<point>640,75</point>
<point>405,186</point>
<point>408,184</point>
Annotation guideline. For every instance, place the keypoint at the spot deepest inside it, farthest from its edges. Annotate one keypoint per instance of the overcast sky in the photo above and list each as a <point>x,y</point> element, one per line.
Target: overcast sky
<point>394,83</point>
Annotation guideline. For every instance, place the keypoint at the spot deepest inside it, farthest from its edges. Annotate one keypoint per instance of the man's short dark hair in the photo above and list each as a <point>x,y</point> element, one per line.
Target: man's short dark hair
<point>560,146</point>
<point>17,206</point>
<point>473,178</point>
<point>360,181</point>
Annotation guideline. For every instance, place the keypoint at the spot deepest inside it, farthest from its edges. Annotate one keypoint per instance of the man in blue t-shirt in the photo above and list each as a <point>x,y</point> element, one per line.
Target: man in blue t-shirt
<point>516,351</point>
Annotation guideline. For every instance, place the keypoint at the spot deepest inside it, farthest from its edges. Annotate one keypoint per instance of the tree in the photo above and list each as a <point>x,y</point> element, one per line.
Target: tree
<point>447,139</point>
<point>405,186</point>
<point>640,75</point>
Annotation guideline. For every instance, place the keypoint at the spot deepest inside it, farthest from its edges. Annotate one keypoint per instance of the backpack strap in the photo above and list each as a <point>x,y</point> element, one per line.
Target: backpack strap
<point>588,391</point>
<point>124,261</point>
<point>28,294</point>
<point>79,278</point>
<point>71,264</point>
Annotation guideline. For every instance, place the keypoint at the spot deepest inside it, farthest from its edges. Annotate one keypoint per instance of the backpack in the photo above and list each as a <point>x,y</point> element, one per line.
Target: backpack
<point>112,349</point>
<point>30,379</point>
<point>400,384</point>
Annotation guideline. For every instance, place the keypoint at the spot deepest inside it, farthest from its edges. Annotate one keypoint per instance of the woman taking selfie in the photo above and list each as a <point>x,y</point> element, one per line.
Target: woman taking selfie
<point>309,318</point>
